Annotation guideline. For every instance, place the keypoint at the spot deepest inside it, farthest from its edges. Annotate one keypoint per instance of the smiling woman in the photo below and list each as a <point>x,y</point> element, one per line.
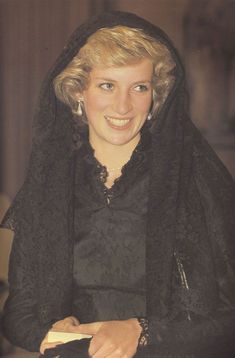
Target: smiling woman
<point>117,102</point>
<point>119,77</point>
<point>124,228</point>
<point>116,47</point>
<point>116,110</point>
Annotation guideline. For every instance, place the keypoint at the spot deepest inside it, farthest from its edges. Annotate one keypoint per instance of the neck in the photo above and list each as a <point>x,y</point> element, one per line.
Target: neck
<point>114,156</point>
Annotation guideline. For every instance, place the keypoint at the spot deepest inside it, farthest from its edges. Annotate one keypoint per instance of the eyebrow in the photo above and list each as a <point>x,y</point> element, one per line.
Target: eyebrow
<point>112,80</point>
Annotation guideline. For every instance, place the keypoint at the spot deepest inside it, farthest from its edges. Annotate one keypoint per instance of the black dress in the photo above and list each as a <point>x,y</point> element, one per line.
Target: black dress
<point>110,235</point>
<point>109,246</point>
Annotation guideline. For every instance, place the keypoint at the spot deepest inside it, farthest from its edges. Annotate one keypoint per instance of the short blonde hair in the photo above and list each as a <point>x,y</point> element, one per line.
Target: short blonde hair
<point>116,46</point>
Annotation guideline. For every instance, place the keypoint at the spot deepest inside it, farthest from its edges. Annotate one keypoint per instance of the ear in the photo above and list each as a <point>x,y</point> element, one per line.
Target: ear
<point>78,96</point>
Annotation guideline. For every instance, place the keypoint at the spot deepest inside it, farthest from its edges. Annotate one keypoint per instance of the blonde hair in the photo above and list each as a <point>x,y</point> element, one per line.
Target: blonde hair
<point>117,46</point>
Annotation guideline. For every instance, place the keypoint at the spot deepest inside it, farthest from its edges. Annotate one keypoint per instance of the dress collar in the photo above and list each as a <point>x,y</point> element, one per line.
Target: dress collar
<point>95,172</point>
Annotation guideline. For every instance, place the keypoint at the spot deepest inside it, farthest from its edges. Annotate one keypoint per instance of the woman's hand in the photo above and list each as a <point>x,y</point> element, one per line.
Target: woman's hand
<point>64,323</point>
<point>111,339</point>
<point>58,326</point>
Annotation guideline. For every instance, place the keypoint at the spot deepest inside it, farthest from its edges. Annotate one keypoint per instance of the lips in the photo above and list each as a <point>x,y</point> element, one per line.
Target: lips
<point>117,122</point>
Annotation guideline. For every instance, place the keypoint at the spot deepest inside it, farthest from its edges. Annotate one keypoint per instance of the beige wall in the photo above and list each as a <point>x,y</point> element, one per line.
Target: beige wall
<point>167,14</point>
<point>5,239</point>
<point>35,32</point>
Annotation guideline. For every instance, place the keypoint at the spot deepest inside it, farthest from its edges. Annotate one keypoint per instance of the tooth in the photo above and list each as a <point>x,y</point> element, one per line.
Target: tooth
<point>118,122</point>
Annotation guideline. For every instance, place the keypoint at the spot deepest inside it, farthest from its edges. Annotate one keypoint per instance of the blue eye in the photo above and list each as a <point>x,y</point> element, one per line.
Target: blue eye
<point>106,86</point>
<point>141,88</point>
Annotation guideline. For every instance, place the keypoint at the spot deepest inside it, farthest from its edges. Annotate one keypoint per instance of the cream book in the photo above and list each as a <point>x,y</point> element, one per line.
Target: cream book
<point>56,336</point>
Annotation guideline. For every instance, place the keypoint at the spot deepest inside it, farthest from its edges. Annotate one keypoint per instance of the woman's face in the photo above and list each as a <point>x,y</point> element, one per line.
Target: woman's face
<point>117,102</point>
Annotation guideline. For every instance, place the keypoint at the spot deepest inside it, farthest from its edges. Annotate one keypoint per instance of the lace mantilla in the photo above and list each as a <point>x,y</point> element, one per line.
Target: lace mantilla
<point>137,164</point>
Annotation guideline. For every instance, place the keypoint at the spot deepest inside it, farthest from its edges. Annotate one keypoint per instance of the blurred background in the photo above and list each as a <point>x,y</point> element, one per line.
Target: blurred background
<point>32,34</point>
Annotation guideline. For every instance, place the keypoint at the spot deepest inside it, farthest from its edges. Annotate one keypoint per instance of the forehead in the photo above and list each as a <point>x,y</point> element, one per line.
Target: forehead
<point>138,71</point>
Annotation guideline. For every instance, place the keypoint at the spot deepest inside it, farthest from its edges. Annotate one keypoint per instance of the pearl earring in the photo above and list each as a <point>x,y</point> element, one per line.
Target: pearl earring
<point>79,108</point>
<point>149,116</point>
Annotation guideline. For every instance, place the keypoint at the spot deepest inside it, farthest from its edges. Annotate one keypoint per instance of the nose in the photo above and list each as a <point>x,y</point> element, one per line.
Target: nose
<point>122,103</point>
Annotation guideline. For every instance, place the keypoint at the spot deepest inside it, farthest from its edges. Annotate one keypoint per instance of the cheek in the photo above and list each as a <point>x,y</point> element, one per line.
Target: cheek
<point>95,103</point>
<point>143,104</point>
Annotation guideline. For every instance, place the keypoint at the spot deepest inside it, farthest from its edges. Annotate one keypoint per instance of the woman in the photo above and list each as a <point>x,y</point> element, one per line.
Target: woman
<point>124,227</point>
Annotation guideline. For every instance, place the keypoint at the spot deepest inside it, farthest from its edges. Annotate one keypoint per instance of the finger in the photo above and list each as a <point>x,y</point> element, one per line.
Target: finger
<point>104,351</point>
<point>118,353</point>
<point>60,324</point>
<point>64,327</point>
<point>88,328</point>
<point>72,319</point>
<point>57,326</point>
<point>122,353</point>
<point>75,321</point>
<point>95,344</point>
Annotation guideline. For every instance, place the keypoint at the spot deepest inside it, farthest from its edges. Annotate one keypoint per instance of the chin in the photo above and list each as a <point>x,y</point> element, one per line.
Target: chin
<point>117,142</point>
<point>120,141</point>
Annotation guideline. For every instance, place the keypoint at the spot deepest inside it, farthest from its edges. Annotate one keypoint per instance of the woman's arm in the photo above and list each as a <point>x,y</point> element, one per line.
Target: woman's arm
<point>20,323</point>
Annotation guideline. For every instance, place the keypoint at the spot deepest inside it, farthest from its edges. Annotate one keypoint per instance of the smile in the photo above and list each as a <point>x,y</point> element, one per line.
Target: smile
<point>118,122</point>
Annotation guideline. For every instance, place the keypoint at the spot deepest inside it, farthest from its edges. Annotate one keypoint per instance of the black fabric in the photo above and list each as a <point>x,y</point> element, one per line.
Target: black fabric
<point>110,233</point>
<point>78,349</point>
<point>190,279</point>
